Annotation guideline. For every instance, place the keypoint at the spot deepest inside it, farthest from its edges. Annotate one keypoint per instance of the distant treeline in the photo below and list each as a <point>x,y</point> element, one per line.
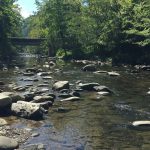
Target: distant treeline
<point>90,29</point>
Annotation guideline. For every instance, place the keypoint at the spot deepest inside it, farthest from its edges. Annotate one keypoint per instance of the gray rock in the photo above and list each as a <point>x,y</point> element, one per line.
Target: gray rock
<point>8,143</point>
<point>88,86</point>
<point>71,99</point>
<point>113,74</point>
<point>44,73</point>
<point>59,85</point>
<point>102,88</point>
<point>14,96</point>
<point>141,123</point>
<point>35,134</point>
<point>39,99</point>
<point>27,110</point>
<point>47,77</point>
<point>3,122</point>
<point>5,100</point>
<point>89,67</point>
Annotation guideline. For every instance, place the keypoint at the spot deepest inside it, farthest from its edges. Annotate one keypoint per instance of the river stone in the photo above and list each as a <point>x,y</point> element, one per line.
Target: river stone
<point>100,72</point>
<point>71,99</point>
<point>103,93</point>
<point>31,70</point>
<point>141,123</point>
<point>3,122</point>
<point>44,73</point>
<point>27,110</point>
<point>8,143</point>
<point>102,88</point>
<point>39,99</point>
<point>14,96</point>
<point>113,74</point>
<point>89,67</point>
<point>59,85</point>
<point>47,77</point>
<point>88,86</point>
<point>5,100</point>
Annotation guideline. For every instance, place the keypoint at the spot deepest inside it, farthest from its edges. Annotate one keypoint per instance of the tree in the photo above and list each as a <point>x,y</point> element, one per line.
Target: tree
<point>10,20</point>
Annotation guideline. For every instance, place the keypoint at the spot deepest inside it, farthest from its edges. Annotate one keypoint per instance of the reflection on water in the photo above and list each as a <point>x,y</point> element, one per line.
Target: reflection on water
<point>94,122</point>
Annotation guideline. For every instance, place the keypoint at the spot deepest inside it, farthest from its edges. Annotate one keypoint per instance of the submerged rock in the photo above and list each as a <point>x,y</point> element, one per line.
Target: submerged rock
<point>8,143</point>
<point>59,85</point>
<point>71,99</point>
<point>89,67</point>
<point>39,99</point>
<point>102,88</point>
<point>88,86</point>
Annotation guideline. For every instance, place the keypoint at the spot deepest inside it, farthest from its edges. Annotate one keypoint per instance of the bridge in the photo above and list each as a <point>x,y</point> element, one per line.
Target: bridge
<point>26,41</point>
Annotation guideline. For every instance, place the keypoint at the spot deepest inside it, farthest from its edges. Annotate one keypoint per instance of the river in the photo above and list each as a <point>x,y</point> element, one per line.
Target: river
<point>95,122</point>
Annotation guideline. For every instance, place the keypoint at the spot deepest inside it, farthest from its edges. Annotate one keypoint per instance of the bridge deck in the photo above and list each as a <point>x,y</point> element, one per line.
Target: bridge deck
<point>26,41</point>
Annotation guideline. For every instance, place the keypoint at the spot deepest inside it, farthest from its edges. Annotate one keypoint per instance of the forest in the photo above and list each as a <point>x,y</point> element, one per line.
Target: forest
<point>116,30</point>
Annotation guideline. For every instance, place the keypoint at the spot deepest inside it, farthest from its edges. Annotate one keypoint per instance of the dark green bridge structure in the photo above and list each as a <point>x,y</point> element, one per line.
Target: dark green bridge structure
<point>26,41</point>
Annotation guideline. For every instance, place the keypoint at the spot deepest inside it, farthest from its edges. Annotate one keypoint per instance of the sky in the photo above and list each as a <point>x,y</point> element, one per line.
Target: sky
<point>27,7</point>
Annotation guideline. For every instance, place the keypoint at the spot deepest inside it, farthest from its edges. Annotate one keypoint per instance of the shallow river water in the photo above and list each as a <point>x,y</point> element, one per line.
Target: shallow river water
<point>94,122</point>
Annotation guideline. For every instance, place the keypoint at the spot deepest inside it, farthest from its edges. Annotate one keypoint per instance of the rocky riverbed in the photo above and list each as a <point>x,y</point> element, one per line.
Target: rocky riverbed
<point>70,106</point>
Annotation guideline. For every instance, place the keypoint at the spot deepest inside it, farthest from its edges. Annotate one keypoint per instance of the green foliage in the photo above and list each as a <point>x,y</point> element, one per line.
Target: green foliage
<point>87,28</point>
<point>10,21</point>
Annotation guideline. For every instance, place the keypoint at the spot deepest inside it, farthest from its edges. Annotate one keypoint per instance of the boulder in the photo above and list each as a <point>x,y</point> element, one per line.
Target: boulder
<point>59,85</point>
<point>89,67</point>
<point>8,143</point>
<point>14,96</point>
<point>88,86</point>
<point>5,100</point>
<point>27,110</point>
<point>71,99</point>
